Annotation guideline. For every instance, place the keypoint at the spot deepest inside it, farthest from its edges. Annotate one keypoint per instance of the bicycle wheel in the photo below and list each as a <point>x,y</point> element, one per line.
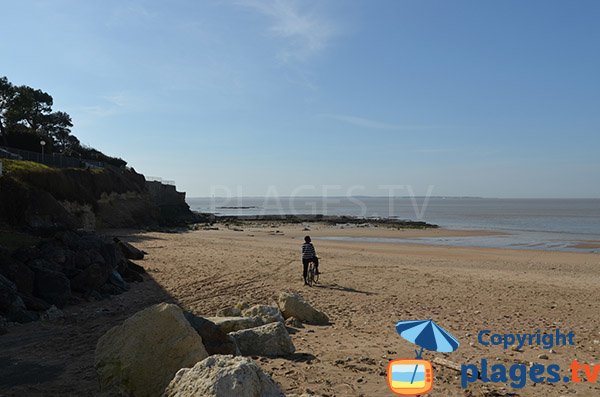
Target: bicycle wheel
<point>310,277</point>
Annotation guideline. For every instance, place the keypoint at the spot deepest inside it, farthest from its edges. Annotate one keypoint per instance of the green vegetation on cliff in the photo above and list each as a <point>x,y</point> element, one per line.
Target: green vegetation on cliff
<point>33,196</point>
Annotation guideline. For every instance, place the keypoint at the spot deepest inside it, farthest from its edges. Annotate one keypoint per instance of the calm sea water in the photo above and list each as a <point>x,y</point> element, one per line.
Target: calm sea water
<point>556,224</point>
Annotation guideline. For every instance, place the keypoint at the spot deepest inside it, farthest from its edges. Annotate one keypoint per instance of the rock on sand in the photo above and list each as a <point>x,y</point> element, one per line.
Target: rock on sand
<point>231,324</point>
<point>141,356</point>
<point>213,338</point>
<point>268,340</point>
<point>269,314</point>
<point>223,376</point>
<point>293,305</point>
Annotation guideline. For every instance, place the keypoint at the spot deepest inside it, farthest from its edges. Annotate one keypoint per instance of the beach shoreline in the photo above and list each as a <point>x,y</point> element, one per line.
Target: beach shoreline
<point>365,288</point>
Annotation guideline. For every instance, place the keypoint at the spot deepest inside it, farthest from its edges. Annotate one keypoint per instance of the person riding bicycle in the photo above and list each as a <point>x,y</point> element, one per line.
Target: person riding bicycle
<point>309,255</point>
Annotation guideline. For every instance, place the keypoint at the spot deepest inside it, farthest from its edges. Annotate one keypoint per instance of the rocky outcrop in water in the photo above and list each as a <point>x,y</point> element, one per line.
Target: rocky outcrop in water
<point>307,218</point>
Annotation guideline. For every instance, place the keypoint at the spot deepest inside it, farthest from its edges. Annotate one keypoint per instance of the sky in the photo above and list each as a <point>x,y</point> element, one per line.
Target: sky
<point>273,97</point>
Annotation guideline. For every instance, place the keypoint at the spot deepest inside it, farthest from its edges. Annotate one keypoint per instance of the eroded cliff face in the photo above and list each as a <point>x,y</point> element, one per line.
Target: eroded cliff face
<point>83,214</point>
<point>50,199</point>
<point>129,209</point>
<point>171,204</point>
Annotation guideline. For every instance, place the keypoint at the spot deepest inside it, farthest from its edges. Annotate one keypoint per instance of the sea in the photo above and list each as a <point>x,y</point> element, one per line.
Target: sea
<point>546,224</point>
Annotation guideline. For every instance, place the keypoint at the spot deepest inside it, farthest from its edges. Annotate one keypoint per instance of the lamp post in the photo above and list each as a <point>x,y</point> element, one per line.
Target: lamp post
<point>43,143</point>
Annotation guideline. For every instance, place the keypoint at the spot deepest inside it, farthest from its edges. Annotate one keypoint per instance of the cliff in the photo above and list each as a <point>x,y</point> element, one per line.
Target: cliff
<point>36,197</point>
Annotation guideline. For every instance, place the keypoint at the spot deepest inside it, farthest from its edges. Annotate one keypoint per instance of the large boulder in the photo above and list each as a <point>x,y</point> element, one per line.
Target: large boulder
<point>215,341</point>
<point>52,286</point>
<point>267,340</point>
<point>293,305</point>
<point>141,356</point>
<point>83,258</point>
<point>230,324</point>
<point>223,376</point>
<point>52,251</point>
<point>92,277</point>
<point>269,314</point>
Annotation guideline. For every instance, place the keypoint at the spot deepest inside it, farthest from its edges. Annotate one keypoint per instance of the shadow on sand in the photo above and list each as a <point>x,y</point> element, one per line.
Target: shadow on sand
<point>336,287</point>
<point>16,372</point>
<point>300,357</point>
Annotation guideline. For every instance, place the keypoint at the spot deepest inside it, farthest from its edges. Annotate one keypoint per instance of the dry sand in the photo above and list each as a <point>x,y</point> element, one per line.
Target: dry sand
<point>365,288</point>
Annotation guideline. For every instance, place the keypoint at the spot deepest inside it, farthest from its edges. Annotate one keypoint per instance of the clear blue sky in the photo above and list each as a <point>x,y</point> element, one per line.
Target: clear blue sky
<point>486,98</point>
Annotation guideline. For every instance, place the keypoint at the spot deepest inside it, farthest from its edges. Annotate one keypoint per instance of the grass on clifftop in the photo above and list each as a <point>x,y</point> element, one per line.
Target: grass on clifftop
<point>82,185</point>
<point>23,166</point>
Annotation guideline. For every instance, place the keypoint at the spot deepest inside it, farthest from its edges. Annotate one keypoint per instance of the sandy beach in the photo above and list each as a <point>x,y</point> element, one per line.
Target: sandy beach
<point>365,288</point>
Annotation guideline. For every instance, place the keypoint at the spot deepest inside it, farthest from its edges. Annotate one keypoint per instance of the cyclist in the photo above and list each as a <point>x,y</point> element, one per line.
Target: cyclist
<point>308,255</point>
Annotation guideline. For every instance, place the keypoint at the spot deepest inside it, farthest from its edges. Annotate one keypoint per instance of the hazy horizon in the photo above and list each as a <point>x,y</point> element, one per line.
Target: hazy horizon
<point>402,197</point>
<point>486,99</point>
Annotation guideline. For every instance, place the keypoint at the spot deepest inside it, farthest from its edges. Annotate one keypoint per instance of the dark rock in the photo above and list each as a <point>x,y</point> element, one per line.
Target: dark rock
<point>41,263</point>
<point>215,341</point>
<point>81,259</point>
<point>9,299</point>
<point>52,314</point>
<point>17,272</point>
<point>130,276</point>
<point>11,304</point>
<point>130,272</point>
<point>5,261</point>
<point>92,277</point>
<point>26,254</point>
<point>24,279</point>
<point>35,304</point>
<point>109,289</point>
<point>53,251</point>
<point>109,254</point>
<point>88,241</point>
<point>3,325</point>
<point>96,256</point>
<point>70,239</point>
<point>136,268</point>
<point>23,316</point>
<point>52,286</point>
<point>69,268</point>
<point>129,250</point>
<point>116,280</point>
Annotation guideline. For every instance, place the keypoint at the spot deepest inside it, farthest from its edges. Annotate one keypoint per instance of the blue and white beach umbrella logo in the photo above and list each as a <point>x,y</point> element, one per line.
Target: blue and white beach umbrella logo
<point>410,377</point>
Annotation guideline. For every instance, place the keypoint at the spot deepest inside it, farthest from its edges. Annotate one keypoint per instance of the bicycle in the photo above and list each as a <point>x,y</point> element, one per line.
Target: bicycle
<point>312,277</point>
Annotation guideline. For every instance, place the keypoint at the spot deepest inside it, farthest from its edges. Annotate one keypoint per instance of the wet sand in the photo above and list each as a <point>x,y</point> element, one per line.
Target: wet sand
<point>365,288</point>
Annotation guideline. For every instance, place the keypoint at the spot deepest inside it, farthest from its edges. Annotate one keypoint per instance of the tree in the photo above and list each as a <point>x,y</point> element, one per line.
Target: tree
<point>57,125</point>
<point>7,93</point>
<point>26,117</point>
<point>28,111</point>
